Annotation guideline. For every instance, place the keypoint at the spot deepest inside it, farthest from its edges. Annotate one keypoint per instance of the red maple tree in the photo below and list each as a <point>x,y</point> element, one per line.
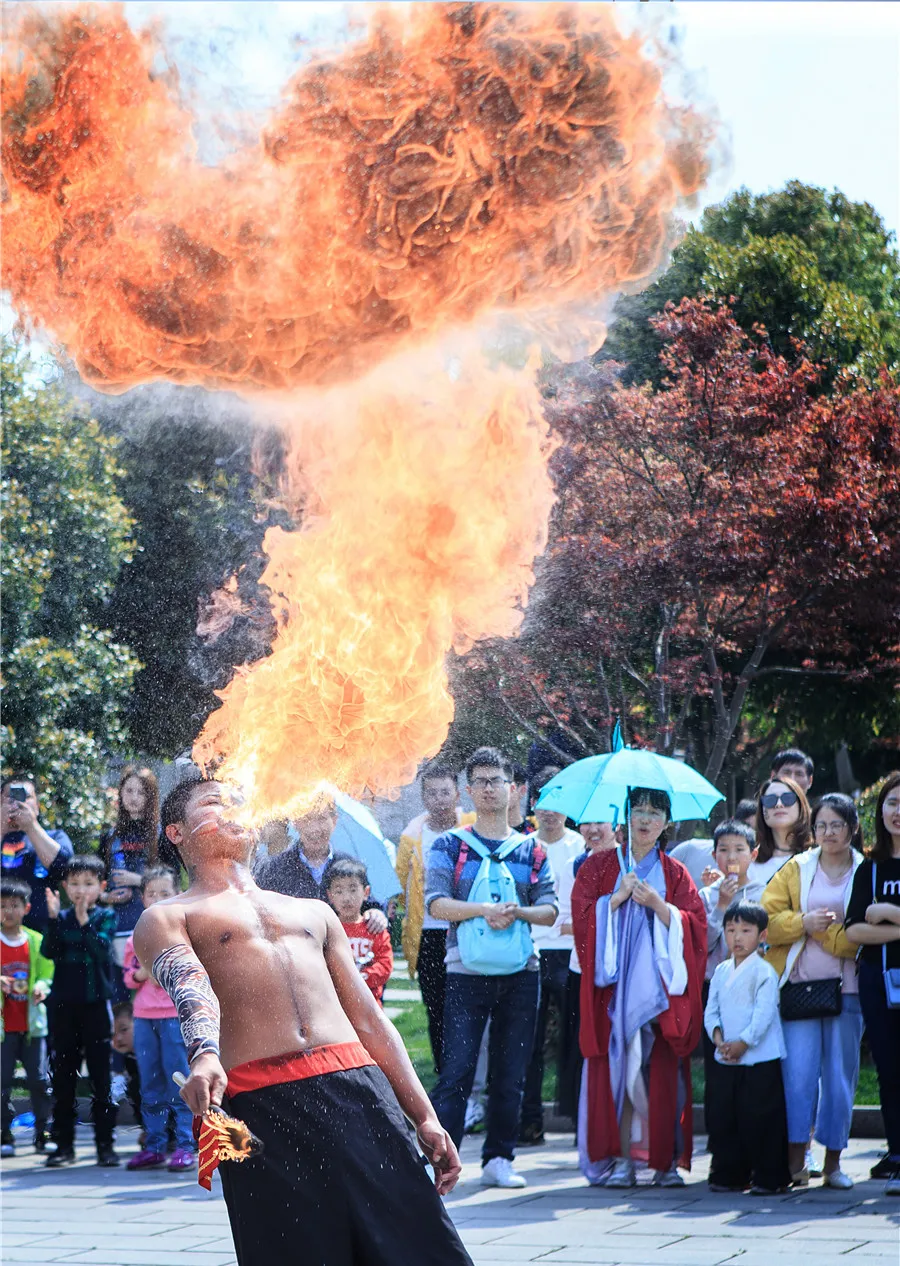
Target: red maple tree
<point>703,530</point>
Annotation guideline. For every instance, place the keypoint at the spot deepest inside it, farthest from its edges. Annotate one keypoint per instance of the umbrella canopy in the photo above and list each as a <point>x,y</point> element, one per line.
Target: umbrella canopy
<point>596,789</point>
<point>358,833</point>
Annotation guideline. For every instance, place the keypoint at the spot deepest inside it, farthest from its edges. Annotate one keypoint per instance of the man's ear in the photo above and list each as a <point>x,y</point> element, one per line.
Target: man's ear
<point>174,833</point>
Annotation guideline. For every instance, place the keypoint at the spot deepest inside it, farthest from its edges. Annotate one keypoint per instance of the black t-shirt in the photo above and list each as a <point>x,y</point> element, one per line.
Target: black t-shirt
<point>887,889</point>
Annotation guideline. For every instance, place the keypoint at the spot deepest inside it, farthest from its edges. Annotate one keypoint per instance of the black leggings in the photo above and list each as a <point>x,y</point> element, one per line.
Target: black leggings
<point>339,1182</point>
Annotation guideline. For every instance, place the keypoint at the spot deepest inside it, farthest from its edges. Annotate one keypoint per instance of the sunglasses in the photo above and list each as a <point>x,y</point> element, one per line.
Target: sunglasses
<point>770,800</point>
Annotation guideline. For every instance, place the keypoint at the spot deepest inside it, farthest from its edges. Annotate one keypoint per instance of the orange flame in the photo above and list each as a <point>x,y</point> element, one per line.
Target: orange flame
<point>458,161</point>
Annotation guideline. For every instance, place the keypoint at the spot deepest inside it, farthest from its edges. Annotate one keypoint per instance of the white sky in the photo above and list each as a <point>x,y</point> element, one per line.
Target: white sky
<point>806,89</point>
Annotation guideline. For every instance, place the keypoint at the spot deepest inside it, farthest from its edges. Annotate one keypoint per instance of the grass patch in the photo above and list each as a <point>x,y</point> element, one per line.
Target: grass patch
<point>412,1025</point>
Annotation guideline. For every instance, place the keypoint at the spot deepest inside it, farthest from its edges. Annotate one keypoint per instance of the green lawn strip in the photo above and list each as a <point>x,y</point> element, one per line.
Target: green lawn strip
<point>866,1090</point>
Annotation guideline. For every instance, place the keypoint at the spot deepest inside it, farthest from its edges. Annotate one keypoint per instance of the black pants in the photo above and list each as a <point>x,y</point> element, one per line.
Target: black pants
<point>339,1182</point>
<point>433,981</point>
<point>883,1032</point>
<point>31,1053</point>
<point>747,1125</point>
<point>81,1031</point>
<point>554,973</point>
<point>571,1060</point>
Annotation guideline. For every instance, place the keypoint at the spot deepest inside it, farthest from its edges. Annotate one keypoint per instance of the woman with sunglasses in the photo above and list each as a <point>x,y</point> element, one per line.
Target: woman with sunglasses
<point>873,922</point>
<point>806,901</point>
<point>782,827</point>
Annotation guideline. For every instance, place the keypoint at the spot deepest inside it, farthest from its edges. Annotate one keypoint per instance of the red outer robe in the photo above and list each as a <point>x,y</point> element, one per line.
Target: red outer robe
<point>677,1031</point>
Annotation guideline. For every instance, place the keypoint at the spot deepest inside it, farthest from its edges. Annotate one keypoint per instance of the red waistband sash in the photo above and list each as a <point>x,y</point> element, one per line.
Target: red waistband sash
<point>297,1066</point>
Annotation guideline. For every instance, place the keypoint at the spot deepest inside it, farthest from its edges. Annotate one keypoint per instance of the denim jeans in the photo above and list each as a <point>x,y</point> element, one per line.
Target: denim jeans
<point>160,1052</point>
<point>823,1056</point>
<point>511,1005</point>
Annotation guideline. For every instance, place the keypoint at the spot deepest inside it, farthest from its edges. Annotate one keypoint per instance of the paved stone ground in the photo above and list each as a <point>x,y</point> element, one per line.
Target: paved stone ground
<point>111,1218</point>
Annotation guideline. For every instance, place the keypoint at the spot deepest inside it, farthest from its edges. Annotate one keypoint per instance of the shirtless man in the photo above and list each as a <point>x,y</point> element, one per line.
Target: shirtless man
<point>278,1021</point>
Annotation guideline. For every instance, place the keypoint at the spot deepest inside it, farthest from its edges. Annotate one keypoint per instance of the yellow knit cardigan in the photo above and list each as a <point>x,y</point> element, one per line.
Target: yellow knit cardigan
<point>410,869</point>
<point>784,901</point>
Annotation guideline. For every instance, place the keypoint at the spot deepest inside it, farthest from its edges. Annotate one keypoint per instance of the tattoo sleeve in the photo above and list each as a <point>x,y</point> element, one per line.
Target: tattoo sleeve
<point>179,971</point>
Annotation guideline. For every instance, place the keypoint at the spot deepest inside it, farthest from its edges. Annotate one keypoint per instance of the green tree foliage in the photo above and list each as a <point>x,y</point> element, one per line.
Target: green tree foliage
<point>66,535</point>
<point>188,482</point>
<point>804,263</point>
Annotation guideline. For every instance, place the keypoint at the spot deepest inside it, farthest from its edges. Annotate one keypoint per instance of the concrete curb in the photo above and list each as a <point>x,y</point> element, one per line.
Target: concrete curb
<point>867,1121</point>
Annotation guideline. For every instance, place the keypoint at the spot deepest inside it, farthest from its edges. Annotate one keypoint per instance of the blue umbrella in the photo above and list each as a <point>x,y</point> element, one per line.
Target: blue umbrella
<point>358,834</point>
<point>597,789</point>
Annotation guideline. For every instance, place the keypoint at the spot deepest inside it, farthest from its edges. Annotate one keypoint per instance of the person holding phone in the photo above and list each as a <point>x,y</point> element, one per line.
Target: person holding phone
<point>29,852</point>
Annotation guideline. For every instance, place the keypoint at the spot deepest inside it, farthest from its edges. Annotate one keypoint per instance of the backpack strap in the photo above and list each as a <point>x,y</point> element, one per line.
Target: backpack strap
<point>467,841</point>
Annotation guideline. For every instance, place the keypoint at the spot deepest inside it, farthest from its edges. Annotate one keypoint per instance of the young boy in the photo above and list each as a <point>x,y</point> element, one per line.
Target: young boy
<point>747,1124</point>
<point>347,887</point>
<point>734,848</point>
<point>79,941</point>
<point>159,1050</point>
<point>25,981</point>
<point>123,1044</point>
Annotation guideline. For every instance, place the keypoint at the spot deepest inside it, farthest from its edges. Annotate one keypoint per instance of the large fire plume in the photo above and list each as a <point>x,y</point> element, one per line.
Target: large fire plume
<point>456,162</point>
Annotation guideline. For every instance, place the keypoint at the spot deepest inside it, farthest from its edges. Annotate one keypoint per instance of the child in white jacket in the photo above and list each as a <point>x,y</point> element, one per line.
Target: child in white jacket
<point>747,1125</point>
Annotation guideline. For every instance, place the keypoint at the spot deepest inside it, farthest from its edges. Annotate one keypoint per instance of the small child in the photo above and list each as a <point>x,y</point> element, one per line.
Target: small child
<point>25,979</point>
<point>79,941</point>
<point>347,887</point>
<point>159,1050</point>
<point>747,1124</point>
<point>734,850</point>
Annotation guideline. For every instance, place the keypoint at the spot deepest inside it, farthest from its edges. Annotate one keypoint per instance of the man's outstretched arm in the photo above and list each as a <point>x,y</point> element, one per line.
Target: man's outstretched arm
<point>163,946</point>
<point>385,1045</point>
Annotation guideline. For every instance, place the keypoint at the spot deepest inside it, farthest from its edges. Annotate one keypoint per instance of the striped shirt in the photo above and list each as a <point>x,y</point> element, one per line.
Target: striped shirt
<point>83,956</point>
<point>445,877</point>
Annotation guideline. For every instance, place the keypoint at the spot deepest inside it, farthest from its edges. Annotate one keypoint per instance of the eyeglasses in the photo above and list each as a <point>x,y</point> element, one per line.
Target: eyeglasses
<point>488,784</point>
<point>787,798</point>
<point>647,811</point>
<point>830,828</point>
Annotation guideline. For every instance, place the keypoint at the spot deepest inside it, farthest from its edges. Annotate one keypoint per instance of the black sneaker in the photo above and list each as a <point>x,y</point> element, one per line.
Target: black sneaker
<point>107,1158</point>
<point>531,1136</point>
<point>887,1167</point>
<point>62,1156</point>
<point>40,1141</point>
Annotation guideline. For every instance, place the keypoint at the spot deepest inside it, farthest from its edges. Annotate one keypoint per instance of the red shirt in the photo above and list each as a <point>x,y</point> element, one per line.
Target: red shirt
<point>16,963</point>
<point>373,955</point>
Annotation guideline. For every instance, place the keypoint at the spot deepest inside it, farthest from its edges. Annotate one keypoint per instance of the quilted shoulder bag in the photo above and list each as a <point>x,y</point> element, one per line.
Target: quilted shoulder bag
<point>811,999</point>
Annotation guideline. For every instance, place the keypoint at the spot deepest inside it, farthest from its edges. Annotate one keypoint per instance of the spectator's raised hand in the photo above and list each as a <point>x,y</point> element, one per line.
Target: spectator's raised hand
<point>375,920</point>
<point>727,889</point>
<point>711,875</point>
<point>818,921</point>
<point>52,903</point>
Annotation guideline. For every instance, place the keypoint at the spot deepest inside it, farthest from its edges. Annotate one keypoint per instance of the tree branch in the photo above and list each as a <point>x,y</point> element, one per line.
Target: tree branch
<point>534,731</point>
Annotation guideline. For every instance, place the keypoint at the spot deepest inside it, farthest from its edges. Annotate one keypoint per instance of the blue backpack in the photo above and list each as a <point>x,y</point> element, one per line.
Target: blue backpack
<point>482,949</point>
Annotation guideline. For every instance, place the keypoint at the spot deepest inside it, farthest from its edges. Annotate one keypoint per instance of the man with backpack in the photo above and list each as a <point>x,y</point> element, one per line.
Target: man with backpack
<point>491,884</point>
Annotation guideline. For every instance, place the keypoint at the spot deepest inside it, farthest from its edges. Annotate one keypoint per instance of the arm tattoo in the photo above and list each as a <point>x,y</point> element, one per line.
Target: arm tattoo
<point>179,971</point>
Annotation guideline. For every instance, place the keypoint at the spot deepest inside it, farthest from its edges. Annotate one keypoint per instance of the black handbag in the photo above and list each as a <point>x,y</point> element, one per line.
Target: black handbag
<point>811,999</point>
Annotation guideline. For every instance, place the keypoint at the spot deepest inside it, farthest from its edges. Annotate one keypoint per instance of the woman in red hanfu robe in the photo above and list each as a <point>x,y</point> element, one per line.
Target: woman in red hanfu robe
<point>640,933</point>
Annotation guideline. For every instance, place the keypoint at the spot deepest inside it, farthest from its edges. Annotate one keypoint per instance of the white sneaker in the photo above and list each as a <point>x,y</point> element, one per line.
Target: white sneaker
<point>837,1179</point>
<point>668,1178</point>
<point>474,1115</point>
<point>499,1172</point>
<point>622,1174</point>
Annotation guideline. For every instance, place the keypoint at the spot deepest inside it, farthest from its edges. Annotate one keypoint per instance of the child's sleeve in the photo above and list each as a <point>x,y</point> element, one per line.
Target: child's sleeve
<point>51,945</point>
<point>765,1009</point>
<point>131,965</point>
<point>378,972</point>
<point>712,1017</point>
<point>98,933</point>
